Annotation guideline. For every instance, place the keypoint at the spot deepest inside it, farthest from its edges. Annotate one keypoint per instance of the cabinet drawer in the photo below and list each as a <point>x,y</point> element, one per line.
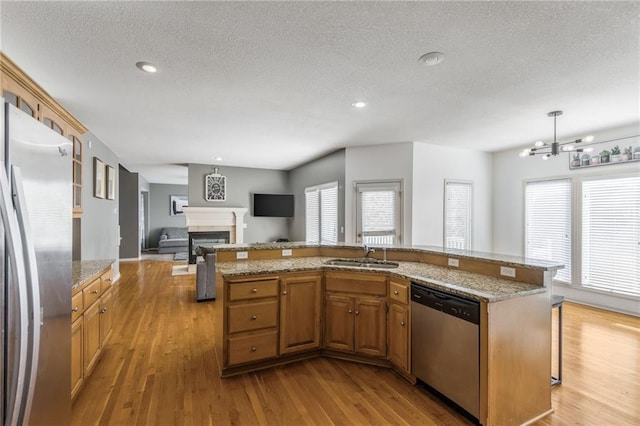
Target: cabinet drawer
<point>253,316</point>
<point>252,348</point>
<point>253,289</point>
<point>91,292</point>
<point>107,280</point>
<point>77,306</point>
<point>398,292</point>
<point>365,284</point>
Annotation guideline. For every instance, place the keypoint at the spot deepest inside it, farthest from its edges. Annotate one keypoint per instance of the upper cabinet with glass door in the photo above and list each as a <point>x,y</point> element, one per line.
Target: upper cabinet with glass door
<point>24,93</point>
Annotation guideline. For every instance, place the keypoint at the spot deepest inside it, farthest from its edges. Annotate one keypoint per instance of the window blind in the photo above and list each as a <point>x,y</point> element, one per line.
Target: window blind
<point>378,215</point>
<point>312,216</point>
<point>611,235</point>
<point>329,214</point>
<point>321,213</point>
<point>458,213</point>
<point>548,223</point>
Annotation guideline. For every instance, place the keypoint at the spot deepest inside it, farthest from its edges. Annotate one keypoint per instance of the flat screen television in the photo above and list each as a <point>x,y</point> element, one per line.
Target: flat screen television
<point>273,205</point>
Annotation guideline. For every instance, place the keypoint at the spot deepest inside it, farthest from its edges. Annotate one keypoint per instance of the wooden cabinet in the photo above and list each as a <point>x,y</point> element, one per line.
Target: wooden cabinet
<point>252,320</point>
<point>91,337</point>
<point>399,324</point>
<point>355,313</point>
<point>24,93</point>
<point>300,312</point>
<point>77,355</point>
<point>92,325</point>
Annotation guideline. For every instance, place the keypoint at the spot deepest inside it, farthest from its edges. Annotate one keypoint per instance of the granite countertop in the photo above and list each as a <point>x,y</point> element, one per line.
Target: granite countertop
<point>467,284</point>
<point>82,270</point>
<point>503,259</point>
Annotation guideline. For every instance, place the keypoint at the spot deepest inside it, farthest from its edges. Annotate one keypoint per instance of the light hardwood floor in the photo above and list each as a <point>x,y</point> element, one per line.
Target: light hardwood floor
<point>159,368</point>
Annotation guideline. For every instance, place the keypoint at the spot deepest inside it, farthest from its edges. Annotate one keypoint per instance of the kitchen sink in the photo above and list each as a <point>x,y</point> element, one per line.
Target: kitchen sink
<point>362,263</point>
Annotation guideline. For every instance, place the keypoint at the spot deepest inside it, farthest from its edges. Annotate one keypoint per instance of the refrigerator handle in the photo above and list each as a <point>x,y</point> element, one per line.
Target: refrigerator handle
<point>15,397</point>
<point>31,269</point>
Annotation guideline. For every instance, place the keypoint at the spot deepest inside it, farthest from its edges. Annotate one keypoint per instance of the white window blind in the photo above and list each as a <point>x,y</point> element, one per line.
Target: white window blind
<point>458,202</point>
<point>378,213</point>
<point>329,214</point>
<point>548,223</point>
<point>611,235</point>
<point>321,213</point>
<point>312,216</point>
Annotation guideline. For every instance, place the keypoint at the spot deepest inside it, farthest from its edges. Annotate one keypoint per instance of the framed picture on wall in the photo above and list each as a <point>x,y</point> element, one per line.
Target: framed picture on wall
<point>176,203</point>
<point>111,183</point>
<point>98,178</point>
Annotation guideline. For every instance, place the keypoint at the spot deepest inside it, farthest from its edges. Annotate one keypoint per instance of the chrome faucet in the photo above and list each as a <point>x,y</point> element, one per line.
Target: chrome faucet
<point>368,250</point>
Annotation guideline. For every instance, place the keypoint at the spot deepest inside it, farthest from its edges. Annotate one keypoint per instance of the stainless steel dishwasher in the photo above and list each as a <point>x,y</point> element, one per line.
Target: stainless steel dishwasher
<point>445,345</point>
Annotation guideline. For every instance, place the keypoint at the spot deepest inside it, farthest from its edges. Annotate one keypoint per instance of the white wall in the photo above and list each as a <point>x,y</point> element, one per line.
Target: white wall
<point>509,174</point>
<point>376,163</point>
<point>432,164</point>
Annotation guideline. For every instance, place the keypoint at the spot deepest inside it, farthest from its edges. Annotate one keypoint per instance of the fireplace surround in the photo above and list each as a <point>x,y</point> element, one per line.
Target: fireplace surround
<point>205,239</point>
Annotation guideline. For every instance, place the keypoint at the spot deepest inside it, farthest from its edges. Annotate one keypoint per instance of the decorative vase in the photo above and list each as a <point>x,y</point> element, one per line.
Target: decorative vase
<point>616,158</point>
<point>604,159</point>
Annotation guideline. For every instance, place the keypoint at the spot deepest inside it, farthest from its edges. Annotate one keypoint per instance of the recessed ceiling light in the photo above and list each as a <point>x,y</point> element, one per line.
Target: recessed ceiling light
<point>432,58</point>
<point>146,67</point>
<point>218,158</point>
<point>359,104</point>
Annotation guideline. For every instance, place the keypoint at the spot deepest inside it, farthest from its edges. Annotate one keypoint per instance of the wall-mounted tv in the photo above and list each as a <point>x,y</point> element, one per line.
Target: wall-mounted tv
<point>273,205</point>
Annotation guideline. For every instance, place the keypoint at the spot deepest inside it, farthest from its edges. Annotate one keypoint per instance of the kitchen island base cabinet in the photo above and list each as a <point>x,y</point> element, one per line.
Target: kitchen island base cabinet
<point>355,313</point>
<point>399,336</point>
<point>300,312</point>
<point>91,337</point>
<point>77,356</point>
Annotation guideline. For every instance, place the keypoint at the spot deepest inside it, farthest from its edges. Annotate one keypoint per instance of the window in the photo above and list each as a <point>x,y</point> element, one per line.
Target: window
<point>321,213</point>
<point>611,235</point>
<point>378,217</point>
<point>548,223</point>
<point>458,203</point>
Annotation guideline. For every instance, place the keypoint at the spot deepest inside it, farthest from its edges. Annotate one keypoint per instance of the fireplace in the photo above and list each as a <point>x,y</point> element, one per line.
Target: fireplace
<point>205,239</point>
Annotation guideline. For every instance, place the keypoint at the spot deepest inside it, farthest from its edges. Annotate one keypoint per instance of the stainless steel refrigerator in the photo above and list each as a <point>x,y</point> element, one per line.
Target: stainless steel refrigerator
<point>35,253</point>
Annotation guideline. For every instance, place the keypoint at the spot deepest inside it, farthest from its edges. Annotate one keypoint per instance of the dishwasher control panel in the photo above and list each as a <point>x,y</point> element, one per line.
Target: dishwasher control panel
<point>466,309</point>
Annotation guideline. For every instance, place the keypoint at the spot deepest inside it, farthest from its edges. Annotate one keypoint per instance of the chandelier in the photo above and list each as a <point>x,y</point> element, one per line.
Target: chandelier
<point>554,148</point>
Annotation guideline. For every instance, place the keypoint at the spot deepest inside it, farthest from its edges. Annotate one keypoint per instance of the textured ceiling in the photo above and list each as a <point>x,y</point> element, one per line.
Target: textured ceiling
<point>270,84</point>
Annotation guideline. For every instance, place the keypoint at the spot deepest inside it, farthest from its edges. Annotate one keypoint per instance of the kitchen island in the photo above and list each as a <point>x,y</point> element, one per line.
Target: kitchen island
<point>280,303</point>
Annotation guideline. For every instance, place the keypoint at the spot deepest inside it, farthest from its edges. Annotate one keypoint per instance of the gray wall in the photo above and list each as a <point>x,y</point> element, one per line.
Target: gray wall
<point>159,212</point>
<point>99,223</point>
<point>330,168</point>
<point>129,199</point>
<point>241,183</point>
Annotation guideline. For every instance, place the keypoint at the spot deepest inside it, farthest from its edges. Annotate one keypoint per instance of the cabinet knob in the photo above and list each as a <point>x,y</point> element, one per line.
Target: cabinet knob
<point>254,290</point>
<point>103,310</point>
<point>395,292</point>
<point>350,311</point>
<point>402,323</point>
<point>357,312</point>
<point>284,292</point>
<point>75,309</point>
<point>253,349</point>
<point>253,317</point>
<point>94,291</point>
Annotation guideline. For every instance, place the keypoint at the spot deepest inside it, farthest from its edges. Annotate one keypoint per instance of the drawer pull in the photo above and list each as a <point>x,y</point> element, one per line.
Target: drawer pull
<point>254,290</point>
<point>357,312</point>
<point>350,311</point>
<point>253,349</point>
<point>75,309</point>
<point>253,317</point>
<point>402,323</point>
<point>395,292</point>
<point>284,292</point>
<point>94,291</point>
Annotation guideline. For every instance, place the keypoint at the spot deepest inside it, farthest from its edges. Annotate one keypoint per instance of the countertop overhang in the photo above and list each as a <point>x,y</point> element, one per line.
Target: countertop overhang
<point>467,284</point>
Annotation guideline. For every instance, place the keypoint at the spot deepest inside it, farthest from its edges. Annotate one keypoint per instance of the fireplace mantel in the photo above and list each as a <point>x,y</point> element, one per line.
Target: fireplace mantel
<point>217,218</point>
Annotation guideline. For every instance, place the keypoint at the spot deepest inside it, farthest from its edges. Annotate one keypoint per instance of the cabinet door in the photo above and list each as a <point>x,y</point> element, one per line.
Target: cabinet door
<point>18,96</point>
<point>399,336</point>
<point>77,365</point>
<point>91,337</point>
<point>300,313</point>
<point>338,331</point>
<point>370,326</point>
<point>106,317</point>
<point>53,120</point>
